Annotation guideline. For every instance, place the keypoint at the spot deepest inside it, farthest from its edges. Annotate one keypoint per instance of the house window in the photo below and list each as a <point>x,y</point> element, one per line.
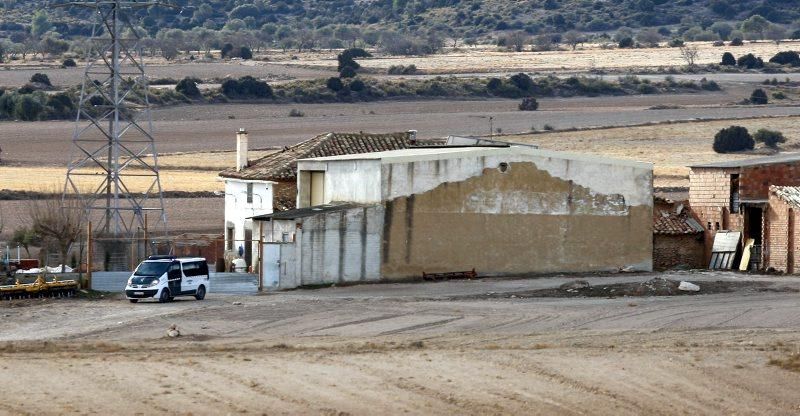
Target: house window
<point>230,238</point>
<point>249,193</point>
<point>735,193</point>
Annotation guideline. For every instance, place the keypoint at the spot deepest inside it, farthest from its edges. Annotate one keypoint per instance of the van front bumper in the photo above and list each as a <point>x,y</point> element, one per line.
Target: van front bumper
<point>140,293</point>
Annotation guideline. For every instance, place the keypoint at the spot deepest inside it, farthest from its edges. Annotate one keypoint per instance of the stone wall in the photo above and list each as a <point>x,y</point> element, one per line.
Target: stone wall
<point>678,251</point>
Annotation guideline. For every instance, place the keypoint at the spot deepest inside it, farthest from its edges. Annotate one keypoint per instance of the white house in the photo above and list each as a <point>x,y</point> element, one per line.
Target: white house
<point>269,184</point>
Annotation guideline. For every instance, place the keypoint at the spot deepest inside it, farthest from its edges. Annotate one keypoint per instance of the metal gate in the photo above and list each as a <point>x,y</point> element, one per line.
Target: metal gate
<point>271,269</point>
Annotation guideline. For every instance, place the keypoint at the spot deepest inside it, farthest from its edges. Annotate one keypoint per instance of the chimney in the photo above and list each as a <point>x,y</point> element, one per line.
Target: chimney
<point>241,149</point>
<point>412,136</point>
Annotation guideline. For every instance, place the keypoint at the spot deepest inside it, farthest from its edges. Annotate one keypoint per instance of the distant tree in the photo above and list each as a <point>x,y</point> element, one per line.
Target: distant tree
<point>728,59</point>
<point>775,33</point>
<point>573,39</point>
<point>517,40</point>
<point>529,104</point>
<point>188,87</point>
<point>40,23</point>
<point>733,139</point>
<point>357,85</point>
<point>689,54</point>
<point>786,58</point>
<point>543,42</point>
<point>770,138</point>
<point>755,25</point>
<point>759,97</point>
<point>57,221</point>
<point>26,238</point>
<point>625,43</point>
<point>522,81</point>
<point>69,63</point>
<point>39,78</point>
<point>722,29</point>
<point>245,53</point>
<point>334,84</point>
<point>795,35</point>
<point>736,42</point>
<point>347,72</point>
<point>53,46</point>
<point>226,51</point>
<point>648,37</point>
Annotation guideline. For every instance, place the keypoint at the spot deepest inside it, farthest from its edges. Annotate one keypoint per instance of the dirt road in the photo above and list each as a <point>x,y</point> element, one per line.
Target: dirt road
<point>461,347</point>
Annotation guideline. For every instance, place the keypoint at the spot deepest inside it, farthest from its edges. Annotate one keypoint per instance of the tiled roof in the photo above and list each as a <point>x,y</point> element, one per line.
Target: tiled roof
<point>667,221</point>
<point>282,165</point>
<point>790,194</point>
<point>767,160</point>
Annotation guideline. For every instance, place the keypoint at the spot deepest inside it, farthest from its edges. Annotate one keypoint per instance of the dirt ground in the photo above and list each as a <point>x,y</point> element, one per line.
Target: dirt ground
<point>433,348</point>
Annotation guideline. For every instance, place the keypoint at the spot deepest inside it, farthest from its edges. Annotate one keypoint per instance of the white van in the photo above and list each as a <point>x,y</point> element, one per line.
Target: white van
<point>164,277</point>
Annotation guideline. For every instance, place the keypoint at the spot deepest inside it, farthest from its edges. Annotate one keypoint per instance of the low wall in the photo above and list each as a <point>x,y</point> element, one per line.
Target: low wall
<point>225,283</point>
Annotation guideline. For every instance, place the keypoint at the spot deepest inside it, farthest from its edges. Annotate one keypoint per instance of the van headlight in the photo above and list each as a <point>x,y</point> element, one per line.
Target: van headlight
<point>130,281</point>
<point>154,283</point>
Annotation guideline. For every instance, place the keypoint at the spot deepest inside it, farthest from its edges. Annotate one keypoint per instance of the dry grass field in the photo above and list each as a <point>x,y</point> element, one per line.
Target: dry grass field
<point>589,57</point>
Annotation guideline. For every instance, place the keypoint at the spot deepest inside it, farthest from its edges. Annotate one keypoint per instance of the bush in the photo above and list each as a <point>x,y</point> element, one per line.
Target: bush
<point>245,53</point>
<point>676,43</point>
<point>226,50</point>
<point>357,85</point>
<point>529,104</point>
<point>296,113</point>
<point>188,87</point>
<point>750,61</point>
<point>770,138</point>
<point>626,42</point>
<point>778,95</point>
<point>28,108</point>
<point>759,97</point>
<point>493,84</point>
<point>334,84</point>
<point>246,87</point>
<point>69,63</point>
<point>41,79</point>
<point>709,85</point>
<point>736,42</point>
<point>347,72</point>
<point>522,81</point>
<point>786,58</point>
<point>728,59</point>
<point>733,139</point>
<point>402,70</point>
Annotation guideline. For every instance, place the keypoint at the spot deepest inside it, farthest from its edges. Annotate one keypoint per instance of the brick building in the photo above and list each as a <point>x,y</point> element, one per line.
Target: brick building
<point>781,232</point>
<point>735,196</point>
<point>677,236</point>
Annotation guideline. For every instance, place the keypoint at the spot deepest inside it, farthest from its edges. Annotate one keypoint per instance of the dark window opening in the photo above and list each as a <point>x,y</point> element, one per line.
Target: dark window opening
<point>230,238</point>
<point>249,193</point>
<point>735,193</point>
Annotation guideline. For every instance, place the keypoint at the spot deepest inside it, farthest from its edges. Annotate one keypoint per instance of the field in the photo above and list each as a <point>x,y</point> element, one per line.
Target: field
<point>458,347</point>
<point>587,58</point>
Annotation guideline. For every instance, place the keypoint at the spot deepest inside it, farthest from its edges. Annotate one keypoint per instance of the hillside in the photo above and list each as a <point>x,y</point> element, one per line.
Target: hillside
<point>460,18</point>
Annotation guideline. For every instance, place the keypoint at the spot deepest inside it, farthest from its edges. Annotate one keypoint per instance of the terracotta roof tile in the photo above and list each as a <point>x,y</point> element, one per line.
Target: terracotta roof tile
<point>282,165</point>
<point>668,222</point>
<point>790,194</point>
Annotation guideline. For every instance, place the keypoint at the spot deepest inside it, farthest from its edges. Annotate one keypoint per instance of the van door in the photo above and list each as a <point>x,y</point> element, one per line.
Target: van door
<point>190,277</point>
<point>174,278</point>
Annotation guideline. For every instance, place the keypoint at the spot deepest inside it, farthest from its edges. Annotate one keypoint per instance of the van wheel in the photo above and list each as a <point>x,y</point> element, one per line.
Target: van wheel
<point>133,300</point>
<point>164,298</point>
<point>201,293</point>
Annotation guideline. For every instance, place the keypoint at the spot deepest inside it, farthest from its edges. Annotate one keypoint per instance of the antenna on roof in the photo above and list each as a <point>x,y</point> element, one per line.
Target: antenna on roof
<point>113,131</point>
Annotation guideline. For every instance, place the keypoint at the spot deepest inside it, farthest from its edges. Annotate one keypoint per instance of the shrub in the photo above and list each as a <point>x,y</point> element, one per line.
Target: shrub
<point>736,42</point>
<point>27,108</point>
<point>750,61</point>
<point>245,53</point>
<point>626,42</point>
<point>347,72</point>
<point>402,70</point>
<point>226,50</point>
<point>529,104</point>
<point>188,87</point>
<point>759,97</point>
<point>676,43</point>
<point>770,138</point>
<point>493,84</point>
<point>728,59</point>
<point>778,95</point>
<point>357,85</point>
<point>786,58</point>
<point>41,79</point>
<point>522,81</point>
<point>548,127</point>
<point>69,63</point>
<point>733,139</point>
<point>296,113</point>
<point>334,84</point>
<point>246,87</point>
<point>709,85</point>
<point>646,89</point>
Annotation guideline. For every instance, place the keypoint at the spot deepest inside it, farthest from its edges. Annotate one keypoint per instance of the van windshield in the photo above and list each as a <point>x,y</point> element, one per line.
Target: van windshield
<point>155,268</point>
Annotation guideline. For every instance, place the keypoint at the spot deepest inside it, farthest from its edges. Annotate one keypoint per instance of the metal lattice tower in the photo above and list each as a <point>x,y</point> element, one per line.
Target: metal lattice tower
<point>113,147</point>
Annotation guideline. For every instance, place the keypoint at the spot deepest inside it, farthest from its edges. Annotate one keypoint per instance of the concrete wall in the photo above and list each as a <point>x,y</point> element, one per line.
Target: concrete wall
<point>356,181</point>
<point>781,231</point>
<point>543,214</point>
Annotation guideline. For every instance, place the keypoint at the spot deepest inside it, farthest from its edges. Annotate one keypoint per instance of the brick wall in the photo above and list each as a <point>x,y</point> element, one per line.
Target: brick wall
<point>782,235</point>
<point>756,180</point>
<point>710,200</point>
<point>671,251</point>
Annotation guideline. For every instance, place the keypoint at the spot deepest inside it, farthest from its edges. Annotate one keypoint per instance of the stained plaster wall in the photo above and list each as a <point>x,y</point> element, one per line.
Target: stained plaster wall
<point>544,214</point>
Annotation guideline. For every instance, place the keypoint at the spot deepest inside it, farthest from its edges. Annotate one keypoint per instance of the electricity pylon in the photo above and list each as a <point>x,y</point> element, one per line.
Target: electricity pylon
<point>114,165</point>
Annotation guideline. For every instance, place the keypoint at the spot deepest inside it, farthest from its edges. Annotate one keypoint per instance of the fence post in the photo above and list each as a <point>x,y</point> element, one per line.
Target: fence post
<point>89,255</point>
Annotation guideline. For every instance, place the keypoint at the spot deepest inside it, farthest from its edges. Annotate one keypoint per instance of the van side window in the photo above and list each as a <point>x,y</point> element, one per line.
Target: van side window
<point>195,268</point>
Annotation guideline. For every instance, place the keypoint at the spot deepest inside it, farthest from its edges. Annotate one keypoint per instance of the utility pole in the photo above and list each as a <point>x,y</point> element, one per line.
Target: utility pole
<point>113,149</point>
